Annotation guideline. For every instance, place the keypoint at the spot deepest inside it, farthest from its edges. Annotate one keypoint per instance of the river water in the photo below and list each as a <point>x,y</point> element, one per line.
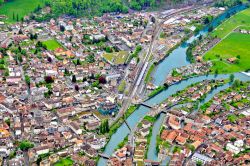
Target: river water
<point>176,59</point>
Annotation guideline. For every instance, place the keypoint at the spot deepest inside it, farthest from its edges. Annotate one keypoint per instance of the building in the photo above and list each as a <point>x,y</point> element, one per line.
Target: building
<point>202,158</point>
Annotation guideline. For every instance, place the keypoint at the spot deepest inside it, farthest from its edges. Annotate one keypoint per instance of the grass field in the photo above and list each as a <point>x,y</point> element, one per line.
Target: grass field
<point>64,162</point>
<point>234,45</point>
<point>52,44</point>
<point>240,19</point>
<point>19,7</point>
<point>116,58</point>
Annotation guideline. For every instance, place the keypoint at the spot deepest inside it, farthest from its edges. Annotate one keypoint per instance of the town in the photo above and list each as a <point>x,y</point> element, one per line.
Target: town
<point>136,88</point>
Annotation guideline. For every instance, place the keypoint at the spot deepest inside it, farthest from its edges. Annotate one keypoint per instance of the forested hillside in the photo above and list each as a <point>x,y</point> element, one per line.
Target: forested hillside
<point>87,7</point>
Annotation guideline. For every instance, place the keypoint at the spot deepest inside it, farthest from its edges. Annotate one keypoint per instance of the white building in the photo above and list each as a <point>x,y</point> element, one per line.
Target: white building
<point>233,148</point>
<point>202,158</point>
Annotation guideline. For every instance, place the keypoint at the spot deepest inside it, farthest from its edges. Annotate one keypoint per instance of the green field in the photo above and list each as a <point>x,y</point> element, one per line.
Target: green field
<point>64,162</point>
<point>234,45</point>
<point>240,19</point>
<point>19,7</point>
<point>52,44</point>
<point>116,58</point>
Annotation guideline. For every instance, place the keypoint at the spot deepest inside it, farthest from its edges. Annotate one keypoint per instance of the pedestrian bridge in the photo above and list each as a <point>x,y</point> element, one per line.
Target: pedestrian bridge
<point>146,105</point>
<point>103,155</point>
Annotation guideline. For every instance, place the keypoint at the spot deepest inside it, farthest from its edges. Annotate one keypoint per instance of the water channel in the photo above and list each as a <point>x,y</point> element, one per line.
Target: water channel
<point>176,59</point>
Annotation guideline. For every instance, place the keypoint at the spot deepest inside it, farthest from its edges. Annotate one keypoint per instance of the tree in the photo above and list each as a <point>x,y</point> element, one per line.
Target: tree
<point>236,83</point>
<point>76,87</point>
<point>49,59</point>
<point>73,78</point>
<point>27,80</point>
<point>210,29</point>
<point>198,163</point>
<point>20,32</point>
<point>25,145</point>
<point>104,127</point>
<point>216,72</point>
<point>17,17</point>
<point>231,77</point>
<point>153,19</point>
<point>35,36</point>
<point>13,17</point>
<point>102,80</point>
<point>48,79</point>
<point>206,20</point>
<point>62,28</point>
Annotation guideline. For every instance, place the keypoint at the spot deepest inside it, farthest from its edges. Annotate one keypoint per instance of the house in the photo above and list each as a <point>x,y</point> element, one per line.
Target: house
<point>121,154</point>
<point>45,162</point>
<point>16,161</point>
<point>144,132</point>
<point>92,125</point>
<point>232,60</point>
<point>41,149</point>
<point>53,158</point>
<point>75,128</point>
<point>174,122</point>
<point>146,124</point>
<point>13,80</point>
<point>171,136</point>
<point>181,140</point>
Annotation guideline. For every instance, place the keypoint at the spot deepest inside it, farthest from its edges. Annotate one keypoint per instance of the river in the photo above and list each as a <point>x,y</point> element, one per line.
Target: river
<point>176,59</point>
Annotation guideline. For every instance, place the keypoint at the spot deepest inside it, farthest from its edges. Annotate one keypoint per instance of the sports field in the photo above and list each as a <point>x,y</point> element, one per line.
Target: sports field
<point>234,45</point>
<point>52,44</point>
<point>19,7</point>
<point>116,58</point>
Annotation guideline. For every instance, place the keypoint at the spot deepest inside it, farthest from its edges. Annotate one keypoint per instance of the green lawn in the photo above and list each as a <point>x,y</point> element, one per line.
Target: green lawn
<point>116,58</point>
<point>52,44</point>
<point>64,162</point>
<point>240,19</point>
<point>236,44</point>
<point>19,7</point>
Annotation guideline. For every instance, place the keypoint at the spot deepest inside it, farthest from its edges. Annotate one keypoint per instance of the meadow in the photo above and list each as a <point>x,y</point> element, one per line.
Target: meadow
<point>240,19</point>
<point>234,45</point>
<point>19,7</point>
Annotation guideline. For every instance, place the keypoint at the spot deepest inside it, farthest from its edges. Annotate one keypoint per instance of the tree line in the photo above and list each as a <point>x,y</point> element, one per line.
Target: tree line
<point>96,7</point>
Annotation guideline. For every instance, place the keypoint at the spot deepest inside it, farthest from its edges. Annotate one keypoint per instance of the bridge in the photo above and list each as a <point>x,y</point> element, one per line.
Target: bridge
<point>146,105</point>
<point>103,156</point>
<point>127,124</point>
